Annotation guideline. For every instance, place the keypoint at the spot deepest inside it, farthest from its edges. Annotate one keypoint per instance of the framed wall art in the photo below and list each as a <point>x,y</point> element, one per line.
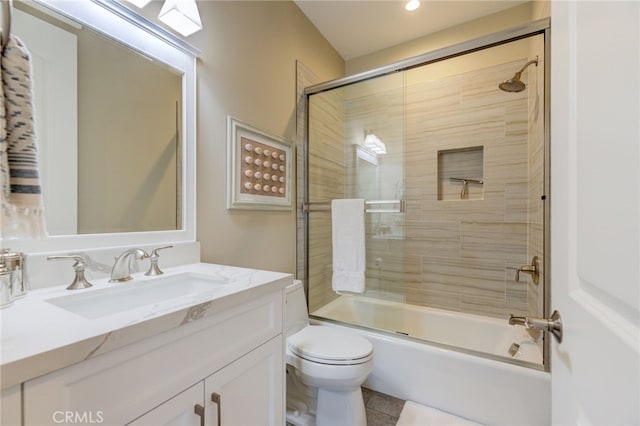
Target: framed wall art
<point>258,169</point>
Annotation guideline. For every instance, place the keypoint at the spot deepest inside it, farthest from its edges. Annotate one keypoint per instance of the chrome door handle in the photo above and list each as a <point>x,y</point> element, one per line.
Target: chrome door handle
<point>553,325</point>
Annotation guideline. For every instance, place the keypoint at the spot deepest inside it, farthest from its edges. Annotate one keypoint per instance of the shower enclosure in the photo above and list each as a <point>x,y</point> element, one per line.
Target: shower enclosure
<point>454,171</point>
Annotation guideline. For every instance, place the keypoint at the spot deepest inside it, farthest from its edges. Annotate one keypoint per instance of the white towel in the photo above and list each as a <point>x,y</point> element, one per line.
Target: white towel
<point>347,218</point>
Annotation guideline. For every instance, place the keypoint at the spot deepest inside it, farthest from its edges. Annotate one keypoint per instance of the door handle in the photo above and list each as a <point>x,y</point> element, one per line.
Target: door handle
<point>218,401</point>
<point>553,325</point>
<point>199,410</point>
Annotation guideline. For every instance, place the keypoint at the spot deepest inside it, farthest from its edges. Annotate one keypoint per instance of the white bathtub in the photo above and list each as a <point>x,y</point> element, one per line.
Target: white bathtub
<point>480,389</point>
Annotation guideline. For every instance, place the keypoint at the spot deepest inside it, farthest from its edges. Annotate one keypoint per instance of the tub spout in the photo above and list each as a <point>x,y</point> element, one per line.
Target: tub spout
<point>513,320</point>
<point>524,321</point>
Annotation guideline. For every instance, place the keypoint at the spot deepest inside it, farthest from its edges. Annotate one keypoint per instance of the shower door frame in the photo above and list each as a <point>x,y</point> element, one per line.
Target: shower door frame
<point>538,27</point>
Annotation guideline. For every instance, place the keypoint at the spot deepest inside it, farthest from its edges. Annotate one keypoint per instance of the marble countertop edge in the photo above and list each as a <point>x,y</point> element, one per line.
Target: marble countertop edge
<point>38,338</point>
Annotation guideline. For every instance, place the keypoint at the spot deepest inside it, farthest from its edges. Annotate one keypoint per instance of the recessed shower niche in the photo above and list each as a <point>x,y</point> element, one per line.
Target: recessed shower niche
<point>461,174</point>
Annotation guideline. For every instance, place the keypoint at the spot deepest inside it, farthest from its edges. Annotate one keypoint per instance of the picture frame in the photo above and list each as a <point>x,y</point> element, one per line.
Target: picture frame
<point>259,169</point>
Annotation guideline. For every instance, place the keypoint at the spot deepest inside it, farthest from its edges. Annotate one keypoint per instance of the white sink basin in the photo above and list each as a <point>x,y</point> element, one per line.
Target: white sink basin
<point>132,295</point>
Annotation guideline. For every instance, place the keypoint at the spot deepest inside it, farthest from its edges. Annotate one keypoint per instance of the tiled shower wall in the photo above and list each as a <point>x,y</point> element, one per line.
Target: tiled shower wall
<point>460,254</point>
<point>444,252</point>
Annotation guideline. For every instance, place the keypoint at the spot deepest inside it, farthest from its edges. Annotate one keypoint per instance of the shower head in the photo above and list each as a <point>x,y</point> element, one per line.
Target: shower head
<point>514,84</point>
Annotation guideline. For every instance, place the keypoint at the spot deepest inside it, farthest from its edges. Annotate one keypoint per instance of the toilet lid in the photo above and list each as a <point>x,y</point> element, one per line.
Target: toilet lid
<point>330,345</point>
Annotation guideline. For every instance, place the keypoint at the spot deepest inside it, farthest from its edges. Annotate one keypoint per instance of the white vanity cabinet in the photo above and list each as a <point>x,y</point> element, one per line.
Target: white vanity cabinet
<point>178,411</point>
<point>236,353</point>
<point>242,393</point>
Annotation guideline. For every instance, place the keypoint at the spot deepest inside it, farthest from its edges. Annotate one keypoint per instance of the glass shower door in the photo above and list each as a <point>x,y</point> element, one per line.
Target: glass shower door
<point>468,161</point>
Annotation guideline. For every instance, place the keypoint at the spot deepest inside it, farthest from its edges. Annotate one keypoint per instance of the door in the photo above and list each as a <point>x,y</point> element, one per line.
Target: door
<point>184,409</point>
<point>249,391</point>
<point>595,216</point>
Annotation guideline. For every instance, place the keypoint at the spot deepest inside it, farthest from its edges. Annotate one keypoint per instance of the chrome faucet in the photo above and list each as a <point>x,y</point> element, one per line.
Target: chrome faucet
<point>122,267</point>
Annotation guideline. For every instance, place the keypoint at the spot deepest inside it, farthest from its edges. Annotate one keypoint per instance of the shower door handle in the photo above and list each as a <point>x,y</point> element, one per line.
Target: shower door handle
<point>553,325</point>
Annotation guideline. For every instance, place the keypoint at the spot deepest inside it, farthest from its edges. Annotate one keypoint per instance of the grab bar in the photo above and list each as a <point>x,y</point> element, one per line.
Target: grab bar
<point>6,22</point>
<point>325,206</point>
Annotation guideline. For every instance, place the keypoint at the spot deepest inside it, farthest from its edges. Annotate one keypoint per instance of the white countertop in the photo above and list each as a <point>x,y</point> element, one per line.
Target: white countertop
<point>38,337</point>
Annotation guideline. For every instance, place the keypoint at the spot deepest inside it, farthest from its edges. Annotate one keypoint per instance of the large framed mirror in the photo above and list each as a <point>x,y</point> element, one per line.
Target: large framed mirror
<point>115,117</point>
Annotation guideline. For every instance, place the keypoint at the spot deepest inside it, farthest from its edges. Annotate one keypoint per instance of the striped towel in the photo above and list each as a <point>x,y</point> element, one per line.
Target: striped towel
<point>22,213</point>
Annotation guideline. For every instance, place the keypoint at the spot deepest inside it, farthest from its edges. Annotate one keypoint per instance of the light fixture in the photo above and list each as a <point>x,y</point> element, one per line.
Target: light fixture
<point>139,3</point>
<point>181,15</point>
<point>412,5</point>
<point>373,143</point>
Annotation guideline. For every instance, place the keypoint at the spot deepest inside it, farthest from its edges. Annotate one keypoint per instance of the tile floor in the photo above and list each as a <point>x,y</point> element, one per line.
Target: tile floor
<point>382,410</point>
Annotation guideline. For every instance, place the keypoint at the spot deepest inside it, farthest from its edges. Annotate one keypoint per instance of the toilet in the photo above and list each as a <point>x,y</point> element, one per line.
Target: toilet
<point>325,368</point>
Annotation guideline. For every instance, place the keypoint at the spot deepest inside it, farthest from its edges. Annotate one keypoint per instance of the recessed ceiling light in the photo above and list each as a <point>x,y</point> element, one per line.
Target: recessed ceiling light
<point>412,5</point>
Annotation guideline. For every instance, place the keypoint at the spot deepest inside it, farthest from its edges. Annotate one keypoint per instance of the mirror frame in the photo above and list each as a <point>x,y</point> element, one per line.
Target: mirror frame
<point>115,21</point>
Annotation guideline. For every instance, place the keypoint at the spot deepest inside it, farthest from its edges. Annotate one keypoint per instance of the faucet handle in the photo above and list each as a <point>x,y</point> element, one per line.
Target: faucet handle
<point>154,252</point>
<point>533,269</point>
<point>80,264</point>
<point>153,268</point>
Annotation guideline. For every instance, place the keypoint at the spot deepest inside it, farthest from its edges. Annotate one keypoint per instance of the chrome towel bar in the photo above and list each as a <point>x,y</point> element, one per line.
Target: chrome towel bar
<point>325,206</point>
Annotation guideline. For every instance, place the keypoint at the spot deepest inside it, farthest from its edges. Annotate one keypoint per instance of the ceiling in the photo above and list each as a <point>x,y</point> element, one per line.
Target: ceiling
<point>359,27</point>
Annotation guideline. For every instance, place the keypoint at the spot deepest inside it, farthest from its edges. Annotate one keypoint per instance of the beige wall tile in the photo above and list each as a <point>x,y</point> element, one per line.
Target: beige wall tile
<point>486,240</point>
<point>472,277</point>
<point>492,307</point>
<point>433,298</point>
<point>440,238</point>
<point>516,202</point>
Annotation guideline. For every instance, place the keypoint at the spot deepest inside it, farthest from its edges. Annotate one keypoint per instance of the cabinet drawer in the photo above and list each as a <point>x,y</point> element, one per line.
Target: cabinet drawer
<point>123,384</point>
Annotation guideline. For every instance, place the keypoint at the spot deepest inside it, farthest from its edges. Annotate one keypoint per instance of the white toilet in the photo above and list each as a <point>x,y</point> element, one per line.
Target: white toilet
<point>325,368</point>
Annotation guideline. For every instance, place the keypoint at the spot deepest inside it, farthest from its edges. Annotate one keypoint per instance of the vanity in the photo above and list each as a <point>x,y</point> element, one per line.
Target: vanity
<point>212,351</point>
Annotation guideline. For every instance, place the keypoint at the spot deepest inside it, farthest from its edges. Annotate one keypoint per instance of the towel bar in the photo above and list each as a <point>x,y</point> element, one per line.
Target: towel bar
<point>325,206</point>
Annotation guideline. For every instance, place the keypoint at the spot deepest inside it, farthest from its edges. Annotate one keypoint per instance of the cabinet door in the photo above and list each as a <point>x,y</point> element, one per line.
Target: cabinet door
<point>11,406</point>
<point>178,411</point>
<point>249,391</point>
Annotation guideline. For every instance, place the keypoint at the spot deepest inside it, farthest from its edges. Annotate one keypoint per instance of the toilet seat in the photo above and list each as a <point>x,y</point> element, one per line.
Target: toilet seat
<point>329,345</point>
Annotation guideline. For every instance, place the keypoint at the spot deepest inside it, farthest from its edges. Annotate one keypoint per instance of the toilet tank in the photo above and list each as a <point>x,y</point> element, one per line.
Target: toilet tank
<point>296,314</point>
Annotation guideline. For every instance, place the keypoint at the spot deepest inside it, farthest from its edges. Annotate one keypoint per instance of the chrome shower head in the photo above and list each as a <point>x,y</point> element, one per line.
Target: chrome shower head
<point>514,84</point>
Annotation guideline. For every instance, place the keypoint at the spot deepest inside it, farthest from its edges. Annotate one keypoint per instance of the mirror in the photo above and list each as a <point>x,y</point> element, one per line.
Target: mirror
<point>115,119</point>
<point>108,126</point>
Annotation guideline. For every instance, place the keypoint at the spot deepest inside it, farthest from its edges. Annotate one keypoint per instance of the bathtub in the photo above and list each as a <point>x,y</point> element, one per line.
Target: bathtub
<point>458,381</point>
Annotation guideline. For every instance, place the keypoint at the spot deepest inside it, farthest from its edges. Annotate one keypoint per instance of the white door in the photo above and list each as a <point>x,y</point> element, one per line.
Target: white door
<point>184,409</point>
<point>249,391</point>
<point>595,214</point>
